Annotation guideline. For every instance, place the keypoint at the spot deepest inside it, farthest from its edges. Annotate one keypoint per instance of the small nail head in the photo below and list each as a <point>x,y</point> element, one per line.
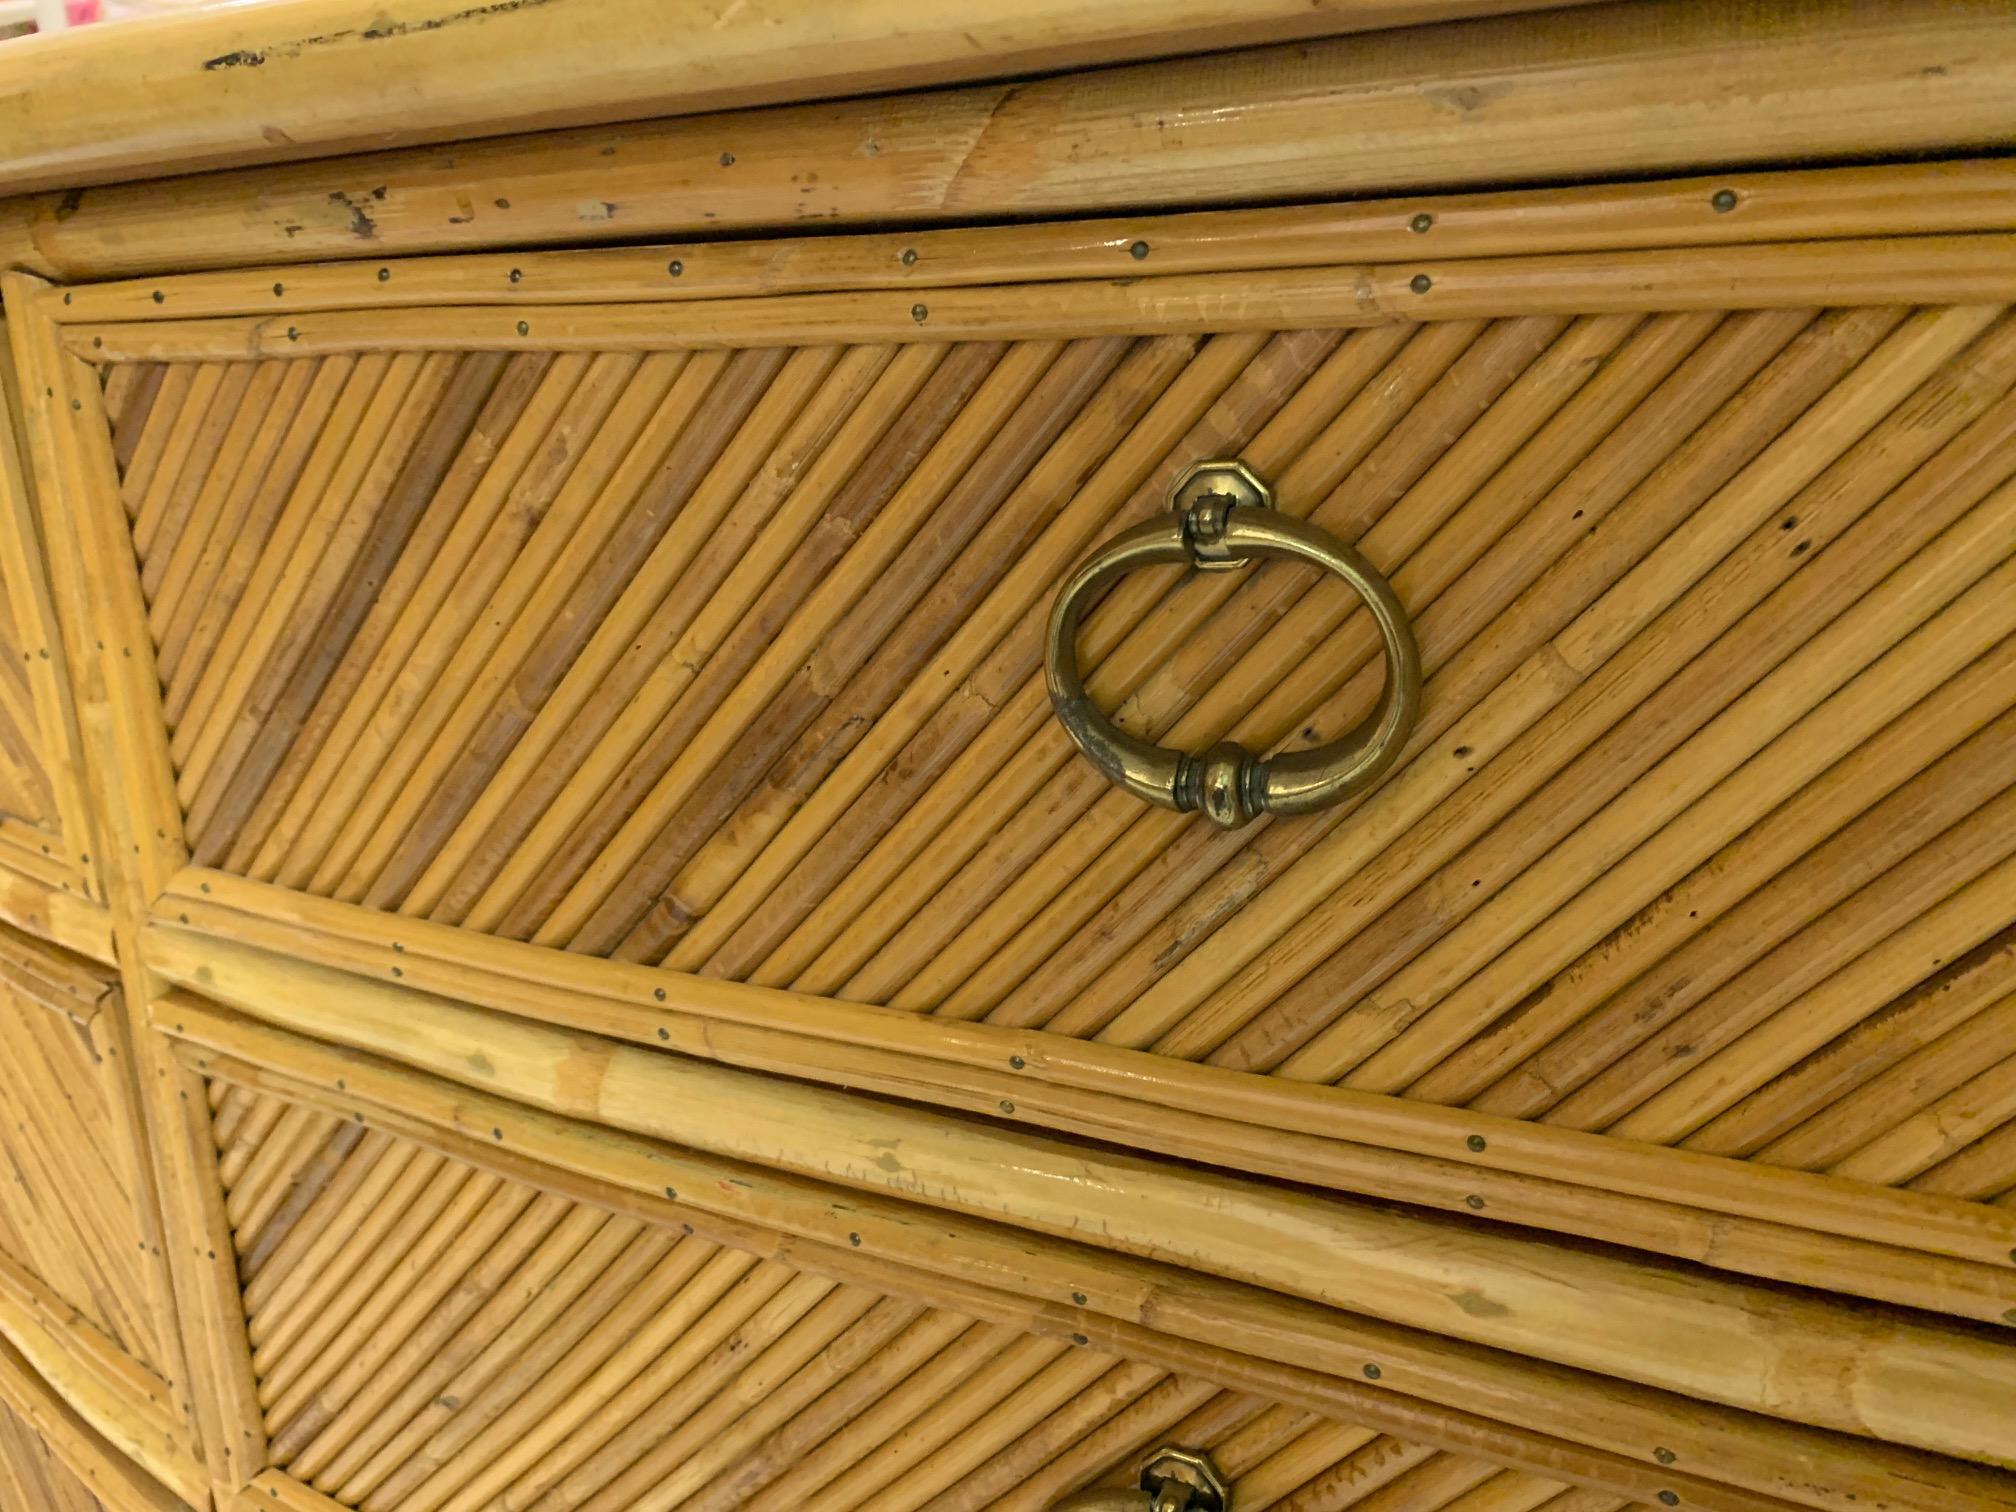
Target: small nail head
<point>1475,1141</point>
<point>524,328</point>
<point>1474,1202</point>
<point>384,275</point>
<point>1724,201</point>
<point>1139,251</point>
<point>675,267</point>
<point>1373,1372</point>
<point>1017,1062</point>
<point>919,313</point>
<point>1421,283</point>
<point>1664,1456</point>
<point>1421,223</point>
<point>909,257</point>
<point>1669,1498</point>
<point>1007,1106</point>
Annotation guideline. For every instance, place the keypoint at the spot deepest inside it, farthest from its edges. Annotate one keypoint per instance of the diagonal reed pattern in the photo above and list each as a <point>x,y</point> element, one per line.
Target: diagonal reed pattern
<point>732,661</point>
<point>430,1336</point>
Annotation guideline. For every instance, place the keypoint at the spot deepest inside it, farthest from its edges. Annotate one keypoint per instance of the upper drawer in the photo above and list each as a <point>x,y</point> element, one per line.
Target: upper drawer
<point>689,605</point>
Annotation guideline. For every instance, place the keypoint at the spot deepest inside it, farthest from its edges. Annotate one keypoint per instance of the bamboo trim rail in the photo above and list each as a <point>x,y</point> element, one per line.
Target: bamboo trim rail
<point>113,1478</point>
<point>1917,199</point>
<point>972,1065</point>
<point>1969,269</point>
<point>1725,1338</point>
<point>121,1399</point>
<point>318,76</point>
<point>1638,89</point>
<point>1563,1422</point>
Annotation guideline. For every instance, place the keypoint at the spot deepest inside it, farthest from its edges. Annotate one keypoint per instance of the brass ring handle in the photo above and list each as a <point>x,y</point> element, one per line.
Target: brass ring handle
<point>1223,519</point>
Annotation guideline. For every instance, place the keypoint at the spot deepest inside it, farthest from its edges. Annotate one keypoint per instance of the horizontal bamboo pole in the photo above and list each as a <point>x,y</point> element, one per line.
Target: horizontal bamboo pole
<point>1668,86</point>
<point>1909,199</point>
<point>1702,1337</point>
<point>651,1006</point>
<point>1969,269</point>
<point>315,77</point>
<point>1554,1422</point>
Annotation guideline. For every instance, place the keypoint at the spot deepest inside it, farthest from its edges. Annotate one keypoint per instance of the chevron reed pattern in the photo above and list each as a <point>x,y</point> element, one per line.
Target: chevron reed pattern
<point>428,1336</point>
<point>732,661</point>
<point>67,1205</point>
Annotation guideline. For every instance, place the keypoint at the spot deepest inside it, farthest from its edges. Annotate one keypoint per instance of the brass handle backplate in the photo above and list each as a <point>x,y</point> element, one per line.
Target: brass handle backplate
<point>1223,518</point>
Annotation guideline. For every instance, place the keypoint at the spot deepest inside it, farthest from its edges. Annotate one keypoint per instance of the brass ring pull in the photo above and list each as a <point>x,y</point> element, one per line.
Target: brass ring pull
<point>1224,518</point>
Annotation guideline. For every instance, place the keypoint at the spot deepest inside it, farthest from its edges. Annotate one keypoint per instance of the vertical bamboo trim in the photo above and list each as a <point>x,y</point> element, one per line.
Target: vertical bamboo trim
<point>125,739</point>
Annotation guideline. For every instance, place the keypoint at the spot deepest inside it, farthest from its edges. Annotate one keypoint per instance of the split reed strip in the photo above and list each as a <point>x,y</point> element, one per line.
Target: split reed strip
<point>846,1380</point>
<point>808,1130</point>
<point>248,1137</point>
<point>882,504</point>
<point>660,401</point>
<point>621,1176</point>
<point>1903,1026</point>
<point>766,1300</point>
<point>166,574</point>
<point>190,421</point>
<point>1308,1455</point>
<point>1880,271</point>
<point>1900,1091</point>
<point>1851,994</point>
<point>1362,1475</point>
<point>1971,1111</point>
<point>1687,792</point>
<point>156,537</point>
<point>862,664</point>
<point>985,1413</point>
<point>346,734</point>
<point>1767,559</point>
<point>1898,199</point>
<point>984,1345</point>
<point>1533,411</point>
<point>1723,481</point>
<point>510,1343</point>
<point>1837,579</point>
<point>743,584</point>
<point>1116,1406</point>
<point>329,445</point>
<point>318,698</point>
<point>138,467</point>
<point>484,1210</point>
<point>667,463</point>
<point>724,514</point>
<point>1979,1172</point>
<point>681,1287</point>
<point>252,1203</point>
<point>1002,887</point>
<point>274,1253</point>
<point>1631,429</point>
<point>553,486</point>
<point>395,423</point>
<point>130,392</point>
<point>1844,828</point>
<point>287,696</point>
<point>1113,454</point>
<point>245,522</point>
<point>695,1430</point>
<point>305,1186</point>
<point>718,1020</point>
<point>1353,399</point>
<point>285,1358</point>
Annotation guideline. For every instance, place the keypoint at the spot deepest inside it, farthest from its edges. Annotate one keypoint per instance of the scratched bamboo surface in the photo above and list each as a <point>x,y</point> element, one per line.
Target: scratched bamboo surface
<point>428,1336</point>
<point>732,661</point>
